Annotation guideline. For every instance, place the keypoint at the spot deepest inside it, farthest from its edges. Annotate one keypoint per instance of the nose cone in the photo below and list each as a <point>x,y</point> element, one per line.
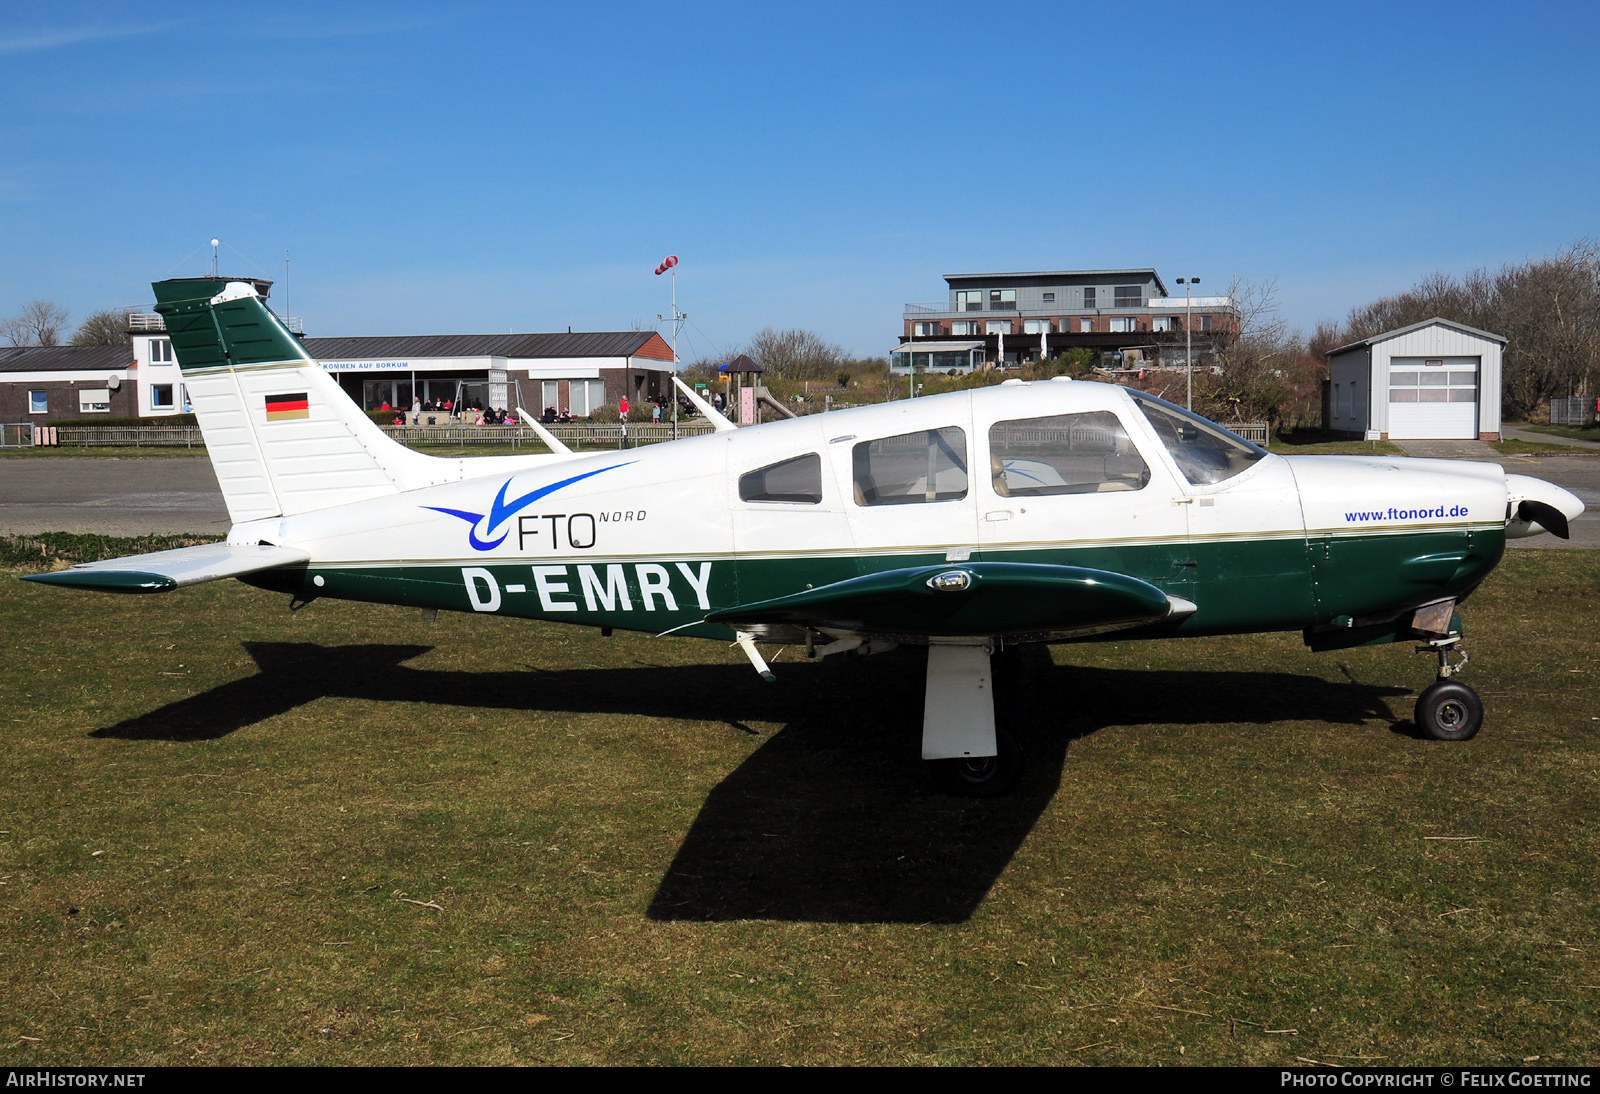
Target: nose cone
<point>1535,506</point>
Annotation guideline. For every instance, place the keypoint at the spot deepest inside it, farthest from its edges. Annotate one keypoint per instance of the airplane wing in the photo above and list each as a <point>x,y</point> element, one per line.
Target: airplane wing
<point>164,570</point>
<point>970,599</point>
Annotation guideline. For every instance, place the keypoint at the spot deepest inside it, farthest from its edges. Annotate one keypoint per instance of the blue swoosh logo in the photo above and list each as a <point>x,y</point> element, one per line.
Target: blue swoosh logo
<point>502,510</point>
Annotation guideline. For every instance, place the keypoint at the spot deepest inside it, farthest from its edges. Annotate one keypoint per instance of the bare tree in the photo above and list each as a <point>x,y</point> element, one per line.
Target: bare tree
<point>38,324</point>
<point>1254,378</point>
<point>796,354</point>
<point>1548,309</point>
<point>102,328</point>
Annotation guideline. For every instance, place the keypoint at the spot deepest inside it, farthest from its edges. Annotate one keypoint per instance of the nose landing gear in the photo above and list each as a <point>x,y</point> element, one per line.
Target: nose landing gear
<point>1449,710</point>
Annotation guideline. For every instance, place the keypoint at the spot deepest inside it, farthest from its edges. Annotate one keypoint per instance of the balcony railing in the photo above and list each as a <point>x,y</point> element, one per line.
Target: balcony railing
<point>942,310</point>
<point>143,322</point>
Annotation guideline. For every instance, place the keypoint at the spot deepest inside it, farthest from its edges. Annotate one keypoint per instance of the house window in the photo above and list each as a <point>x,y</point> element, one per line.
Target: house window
<point>1088,298</point>
<point>1049,298</point>
<point>928,330</point>
<point>587,396</point>
<point>1202,323</point>
<point>1411,386</point>
<point>911,468</point>
<point>1121,324</point>
<point>1127,296</point>
<point>997,326</point>
<point>1164,323</point>
<point>94,400</point>
<point>1338,394</point>
<point>161,351</point>
<point>1036,326</point>
<point>971,300</point>
<point>965,327</point>
<point>1085,326</point>
<point>160,396</point>
<point>1002,299</point>
<point>38,402</point>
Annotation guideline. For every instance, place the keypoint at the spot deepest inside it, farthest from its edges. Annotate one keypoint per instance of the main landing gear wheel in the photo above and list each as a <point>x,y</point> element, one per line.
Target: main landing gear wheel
<point>1449,711</point>
<point>982,776</point>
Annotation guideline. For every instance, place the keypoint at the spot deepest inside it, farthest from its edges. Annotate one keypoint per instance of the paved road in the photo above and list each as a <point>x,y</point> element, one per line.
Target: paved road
<point>1515,434</point>
<point>134,496</point>
<point>110,496</point>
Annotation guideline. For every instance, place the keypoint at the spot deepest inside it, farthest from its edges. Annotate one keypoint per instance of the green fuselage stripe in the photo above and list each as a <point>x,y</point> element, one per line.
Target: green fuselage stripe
<point>1239,584</point>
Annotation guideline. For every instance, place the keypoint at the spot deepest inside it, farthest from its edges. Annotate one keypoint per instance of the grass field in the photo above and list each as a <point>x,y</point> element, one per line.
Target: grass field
<point>1308,442</point>
<point>1513,446</point>
<point>232,834</point>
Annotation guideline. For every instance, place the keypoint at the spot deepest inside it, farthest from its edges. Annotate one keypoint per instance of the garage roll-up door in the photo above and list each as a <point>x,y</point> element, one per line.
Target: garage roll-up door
<point>1433,398</point>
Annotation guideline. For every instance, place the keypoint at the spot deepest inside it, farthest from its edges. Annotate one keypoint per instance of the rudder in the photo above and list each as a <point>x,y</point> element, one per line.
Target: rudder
<point>283,437</point>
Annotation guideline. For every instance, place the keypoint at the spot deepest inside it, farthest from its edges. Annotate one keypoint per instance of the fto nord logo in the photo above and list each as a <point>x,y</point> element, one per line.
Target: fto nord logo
<point>501,510</point>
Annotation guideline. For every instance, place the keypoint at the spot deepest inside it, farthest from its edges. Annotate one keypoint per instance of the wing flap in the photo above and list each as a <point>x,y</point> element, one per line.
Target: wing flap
<point>982,598</point>
<point>166,570</point>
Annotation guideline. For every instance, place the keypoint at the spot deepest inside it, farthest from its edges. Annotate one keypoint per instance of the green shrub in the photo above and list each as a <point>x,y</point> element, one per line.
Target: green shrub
<point>165,419</point>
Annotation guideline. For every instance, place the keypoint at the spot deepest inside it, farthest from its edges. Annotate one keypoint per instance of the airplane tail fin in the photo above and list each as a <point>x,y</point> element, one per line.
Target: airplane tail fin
<point>283,437</point>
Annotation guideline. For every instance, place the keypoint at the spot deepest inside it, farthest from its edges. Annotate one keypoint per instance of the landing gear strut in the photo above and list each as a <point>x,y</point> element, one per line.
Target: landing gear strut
<point>969,756</point>
<point>1449,710</point>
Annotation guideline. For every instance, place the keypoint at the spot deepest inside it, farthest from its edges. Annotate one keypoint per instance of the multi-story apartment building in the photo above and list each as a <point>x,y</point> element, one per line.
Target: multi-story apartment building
<point>1011,318</point>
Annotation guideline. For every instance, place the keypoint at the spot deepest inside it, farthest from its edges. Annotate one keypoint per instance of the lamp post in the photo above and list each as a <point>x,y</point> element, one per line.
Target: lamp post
<point>1188,284</point>
<point>911,362</point>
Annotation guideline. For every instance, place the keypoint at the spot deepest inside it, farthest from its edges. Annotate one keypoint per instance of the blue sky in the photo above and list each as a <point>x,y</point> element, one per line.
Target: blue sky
<point>483,167</point>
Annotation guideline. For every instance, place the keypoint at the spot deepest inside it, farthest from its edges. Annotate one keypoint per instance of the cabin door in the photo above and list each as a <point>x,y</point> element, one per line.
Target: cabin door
<point>909,492</point>
<point>1075,490</point>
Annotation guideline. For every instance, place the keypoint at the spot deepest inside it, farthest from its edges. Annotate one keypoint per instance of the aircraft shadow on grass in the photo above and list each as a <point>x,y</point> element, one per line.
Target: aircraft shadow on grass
<point>832,819</point>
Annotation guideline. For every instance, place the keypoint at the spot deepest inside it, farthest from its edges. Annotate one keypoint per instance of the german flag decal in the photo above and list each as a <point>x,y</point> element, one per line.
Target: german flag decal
<point>282,407</point>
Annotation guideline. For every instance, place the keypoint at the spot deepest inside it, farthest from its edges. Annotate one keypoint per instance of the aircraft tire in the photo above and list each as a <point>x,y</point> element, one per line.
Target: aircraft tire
<point>989,777</point>
<point>1449,711</point>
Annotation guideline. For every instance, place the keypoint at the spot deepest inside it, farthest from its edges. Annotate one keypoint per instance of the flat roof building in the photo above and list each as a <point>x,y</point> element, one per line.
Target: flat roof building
<point>579,372</point>
<point>1011,318</point>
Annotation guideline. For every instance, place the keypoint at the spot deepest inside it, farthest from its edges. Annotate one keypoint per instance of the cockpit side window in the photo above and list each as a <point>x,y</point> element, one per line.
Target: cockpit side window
<point>795,480</point>
<point>1064,454</point>
<point>1203,450</point>
<point>911,468</point>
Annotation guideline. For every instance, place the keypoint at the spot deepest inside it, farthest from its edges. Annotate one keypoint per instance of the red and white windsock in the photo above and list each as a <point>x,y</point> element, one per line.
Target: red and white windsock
<point>666,264</point>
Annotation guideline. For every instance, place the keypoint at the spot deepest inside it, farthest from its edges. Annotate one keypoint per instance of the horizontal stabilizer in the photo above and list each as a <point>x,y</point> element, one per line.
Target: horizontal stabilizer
<point>164,570</point>
<point>971,599</point>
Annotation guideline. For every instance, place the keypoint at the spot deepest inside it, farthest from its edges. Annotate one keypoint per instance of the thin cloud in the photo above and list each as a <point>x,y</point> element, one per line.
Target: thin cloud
<point>58,39</point>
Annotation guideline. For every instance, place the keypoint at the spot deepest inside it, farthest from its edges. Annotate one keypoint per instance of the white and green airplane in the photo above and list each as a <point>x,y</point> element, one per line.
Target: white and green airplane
<point>967,523</point>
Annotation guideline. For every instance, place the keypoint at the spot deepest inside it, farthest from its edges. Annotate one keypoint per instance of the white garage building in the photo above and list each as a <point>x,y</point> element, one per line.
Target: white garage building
<point>1436,380</point>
